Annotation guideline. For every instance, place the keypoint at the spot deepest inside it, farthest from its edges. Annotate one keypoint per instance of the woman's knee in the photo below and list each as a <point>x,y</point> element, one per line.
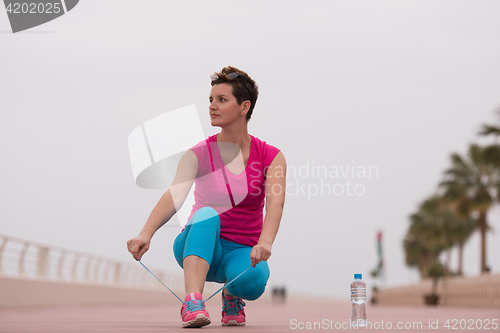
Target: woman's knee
<point>178,250</point>
<point>203,225</point>
<point>251,285</point>
<point>206,216</point>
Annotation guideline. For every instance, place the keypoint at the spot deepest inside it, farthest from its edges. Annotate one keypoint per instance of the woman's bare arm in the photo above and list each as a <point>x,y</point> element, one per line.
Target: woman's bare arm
<point>170,202</point>
<point>275,201</point>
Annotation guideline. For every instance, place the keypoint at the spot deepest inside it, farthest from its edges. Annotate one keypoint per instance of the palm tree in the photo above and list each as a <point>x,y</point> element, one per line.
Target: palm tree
<point>467,228</point>
<point>424,241</point>
<point>492,151</point>
<point>487,130</point>
<point>458,225</point>
<point>472,183</point>
<point>438,225</point>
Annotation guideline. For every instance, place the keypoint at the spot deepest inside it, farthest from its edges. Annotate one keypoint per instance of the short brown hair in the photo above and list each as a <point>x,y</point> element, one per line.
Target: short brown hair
<point>244,88</point>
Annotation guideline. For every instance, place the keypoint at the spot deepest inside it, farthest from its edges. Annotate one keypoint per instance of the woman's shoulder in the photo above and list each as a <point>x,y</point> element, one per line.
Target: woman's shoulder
<point>201,149</point>
<point>266,151</point>
<point>261,143</point>
<point>202,154</point>
<point>203,142</point>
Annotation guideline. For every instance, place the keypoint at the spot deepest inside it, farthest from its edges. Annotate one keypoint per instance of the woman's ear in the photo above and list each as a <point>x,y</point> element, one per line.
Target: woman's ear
<point>246,107</point>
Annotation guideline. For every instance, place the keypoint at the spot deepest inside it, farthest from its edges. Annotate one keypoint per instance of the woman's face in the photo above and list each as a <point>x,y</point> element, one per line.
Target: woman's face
<point>224,108</point>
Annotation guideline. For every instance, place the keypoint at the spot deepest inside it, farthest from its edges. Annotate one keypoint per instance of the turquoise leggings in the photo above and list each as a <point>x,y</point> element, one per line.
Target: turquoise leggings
<point>226,259</point>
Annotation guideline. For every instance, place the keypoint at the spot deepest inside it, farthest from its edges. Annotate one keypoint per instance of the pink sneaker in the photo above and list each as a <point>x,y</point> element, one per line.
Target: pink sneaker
<point>193,311</point>
<point>233,313</point>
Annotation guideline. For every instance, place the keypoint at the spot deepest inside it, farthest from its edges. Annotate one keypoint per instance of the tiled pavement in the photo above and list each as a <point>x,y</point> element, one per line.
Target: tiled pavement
<point>262,316</point>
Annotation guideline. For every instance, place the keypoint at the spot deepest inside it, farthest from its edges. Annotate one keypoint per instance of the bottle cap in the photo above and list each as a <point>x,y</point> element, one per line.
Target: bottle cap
<point>357,276</point>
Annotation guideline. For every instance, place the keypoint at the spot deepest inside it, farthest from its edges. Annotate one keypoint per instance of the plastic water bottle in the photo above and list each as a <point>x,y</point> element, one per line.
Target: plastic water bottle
<point>358,299</point>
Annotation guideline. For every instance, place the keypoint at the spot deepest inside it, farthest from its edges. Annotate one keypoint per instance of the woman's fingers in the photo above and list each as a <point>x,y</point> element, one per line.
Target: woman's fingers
<point>137,248</point>
<point>143,250</point>
<point>253,257</point>
<point>259,253</point>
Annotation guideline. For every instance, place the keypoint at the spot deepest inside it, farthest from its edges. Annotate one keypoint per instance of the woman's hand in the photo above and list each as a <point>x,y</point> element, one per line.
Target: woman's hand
<point>138,246</point>
<point>260,252</point>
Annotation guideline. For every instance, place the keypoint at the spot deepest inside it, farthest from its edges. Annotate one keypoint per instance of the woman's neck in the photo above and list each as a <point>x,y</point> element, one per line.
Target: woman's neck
<point>238,136</point>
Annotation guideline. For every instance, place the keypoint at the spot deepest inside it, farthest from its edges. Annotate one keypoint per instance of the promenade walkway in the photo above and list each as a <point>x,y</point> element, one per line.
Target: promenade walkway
<point>262,316</point>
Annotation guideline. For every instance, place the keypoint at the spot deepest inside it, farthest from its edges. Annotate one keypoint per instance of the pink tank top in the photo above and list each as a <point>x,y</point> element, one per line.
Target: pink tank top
<point>238,199</point>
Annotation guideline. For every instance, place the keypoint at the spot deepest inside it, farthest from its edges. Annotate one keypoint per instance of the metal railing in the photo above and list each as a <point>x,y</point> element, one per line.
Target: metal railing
<point>27,259</point>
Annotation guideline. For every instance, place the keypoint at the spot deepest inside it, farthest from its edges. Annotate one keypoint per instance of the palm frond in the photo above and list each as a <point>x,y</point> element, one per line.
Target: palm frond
<point>487,130</point>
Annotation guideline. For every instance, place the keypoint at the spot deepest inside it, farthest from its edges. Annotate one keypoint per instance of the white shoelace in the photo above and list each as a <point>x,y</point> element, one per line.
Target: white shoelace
<point>204,300</point>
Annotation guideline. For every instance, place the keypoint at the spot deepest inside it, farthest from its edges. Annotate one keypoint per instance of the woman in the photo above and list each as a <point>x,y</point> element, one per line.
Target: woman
<point>226,233</point>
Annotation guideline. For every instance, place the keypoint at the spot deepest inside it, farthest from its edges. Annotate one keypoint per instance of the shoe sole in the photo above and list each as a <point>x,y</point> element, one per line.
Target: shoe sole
<point>232,323</point>
<point>199,321</point>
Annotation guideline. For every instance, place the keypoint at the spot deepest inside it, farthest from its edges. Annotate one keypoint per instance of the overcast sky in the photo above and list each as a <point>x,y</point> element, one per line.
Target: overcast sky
<point>392,85</point>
